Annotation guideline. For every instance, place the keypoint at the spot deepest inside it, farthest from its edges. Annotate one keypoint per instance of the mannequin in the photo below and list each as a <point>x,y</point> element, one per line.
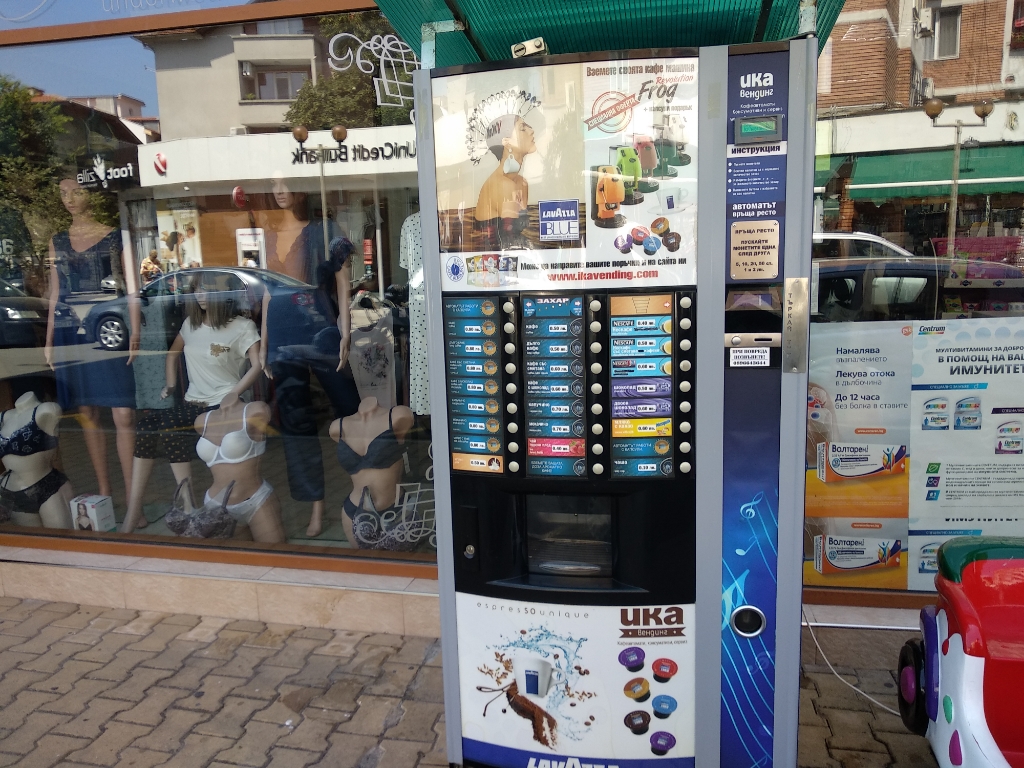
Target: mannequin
<point>32,491</point>
<point>217,341</point>
<point>295,350</point>
<point>371,444</point>
<point>497,127</point>
<point>83,251</point>
<point>252,501</point>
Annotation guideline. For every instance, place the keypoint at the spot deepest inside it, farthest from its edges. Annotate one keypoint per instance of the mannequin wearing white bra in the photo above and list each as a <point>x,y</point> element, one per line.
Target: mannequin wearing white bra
<point>231,441</point>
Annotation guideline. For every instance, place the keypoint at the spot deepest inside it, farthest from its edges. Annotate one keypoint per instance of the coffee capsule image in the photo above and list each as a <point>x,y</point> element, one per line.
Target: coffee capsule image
<point>638,722</point>
<point>623,243</point>
<point>637,689</point>
<point>666,367</point>
<point>662,742</point>
<point>664,670</point>
<point>640,234</point>
<point>672,241</point>
<point>666,346</point>
<point>666,325</point>
<point>660,225</point>
<point>632,659</point>
<point>663,706</point>
<point>651,245</point>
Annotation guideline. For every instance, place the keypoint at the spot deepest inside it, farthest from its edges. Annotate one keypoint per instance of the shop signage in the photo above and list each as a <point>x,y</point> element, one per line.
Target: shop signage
<point>389,150</point>
<point>160,163</point>
<point>397,63</point>
<point>116,170</point>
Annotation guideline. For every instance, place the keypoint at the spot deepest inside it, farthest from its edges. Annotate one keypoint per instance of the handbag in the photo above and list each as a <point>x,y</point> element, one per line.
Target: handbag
<point>210,521</point>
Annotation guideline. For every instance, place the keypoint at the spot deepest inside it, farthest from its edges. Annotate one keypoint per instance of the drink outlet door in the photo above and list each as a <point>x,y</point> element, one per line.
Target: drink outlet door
<point>582,413</point>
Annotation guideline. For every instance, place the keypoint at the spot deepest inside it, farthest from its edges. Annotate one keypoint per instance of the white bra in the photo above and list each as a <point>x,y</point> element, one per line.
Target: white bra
<point>234,448</point>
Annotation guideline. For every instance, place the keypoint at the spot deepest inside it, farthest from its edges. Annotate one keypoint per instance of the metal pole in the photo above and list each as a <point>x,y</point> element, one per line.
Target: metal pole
<point>380,255</point>
<point>320,155</point>
<point>954,193</point>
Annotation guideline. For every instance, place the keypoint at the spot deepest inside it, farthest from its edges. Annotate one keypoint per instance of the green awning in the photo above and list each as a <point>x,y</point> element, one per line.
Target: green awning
<point>984,170</point>
<point>826,167</point>
<point>574,26</point>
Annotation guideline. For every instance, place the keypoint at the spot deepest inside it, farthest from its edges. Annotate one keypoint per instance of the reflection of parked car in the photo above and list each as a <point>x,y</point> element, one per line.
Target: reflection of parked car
<point>857,276</point>
<point>860,277</point>
<point>108,284</point>
<point>107,322</point>
<point>23,318</point>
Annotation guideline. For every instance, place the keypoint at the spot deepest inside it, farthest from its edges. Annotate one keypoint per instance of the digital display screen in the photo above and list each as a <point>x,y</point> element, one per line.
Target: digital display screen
<point>763,128</point>
<point>474,384</point>
<point>641,386</point>
<point>553,366</point>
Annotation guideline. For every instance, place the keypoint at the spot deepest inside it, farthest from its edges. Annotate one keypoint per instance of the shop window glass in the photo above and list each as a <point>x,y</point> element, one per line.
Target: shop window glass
<point>243,334</point>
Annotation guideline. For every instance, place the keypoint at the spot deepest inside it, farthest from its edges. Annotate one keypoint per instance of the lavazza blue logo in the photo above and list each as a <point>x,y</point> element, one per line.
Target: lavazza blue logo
<point>456,268</point>
<point>559,220</point>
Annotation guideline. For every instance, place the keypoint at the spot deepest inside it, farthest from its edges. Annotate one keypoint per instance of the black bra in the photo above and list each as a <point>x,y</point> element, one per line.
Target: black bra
<point>382,452</point>
<point>26,440</point>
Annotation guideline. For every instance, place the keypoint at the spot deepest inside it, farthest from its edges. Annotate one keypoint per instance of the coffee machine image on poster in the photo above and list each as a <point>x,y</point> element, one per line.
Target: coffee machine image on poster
<point>554,683</point>
<point>509,153</point>
<point>640,127</point>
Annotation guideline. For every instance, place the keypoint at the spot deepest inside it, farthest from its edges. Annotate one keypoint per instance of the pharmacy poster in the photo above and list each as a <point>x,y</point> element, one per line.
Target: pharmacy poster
<point>967,436</point>
<point>580,175</point>
<point>858,455</point>
<point>550,685</point>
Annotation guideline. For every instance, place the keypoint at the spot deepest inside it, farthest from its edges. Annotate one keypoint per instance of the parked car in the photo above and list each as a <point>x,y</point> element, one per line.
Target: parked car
<point>857,276</point>
<point>23,319</point>
<point>107,322</point>
<point>108,284</point>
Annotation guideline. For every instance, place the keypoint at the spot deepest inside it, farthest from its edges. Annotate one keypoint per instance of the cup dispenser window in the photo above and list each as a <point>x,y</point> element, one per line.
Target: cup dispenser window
<point>569,536</point>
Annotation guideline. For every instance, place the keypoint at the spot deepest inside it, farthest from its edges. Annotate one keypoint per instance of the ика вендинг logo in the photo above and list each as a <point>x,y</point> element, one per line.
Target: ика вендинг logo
<point>652,622</point>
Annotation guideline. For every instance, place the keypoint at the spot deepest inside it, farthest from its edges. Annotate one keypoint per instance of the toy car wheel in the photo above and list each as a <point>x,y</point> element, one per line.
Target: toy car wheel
<point>910,676</point>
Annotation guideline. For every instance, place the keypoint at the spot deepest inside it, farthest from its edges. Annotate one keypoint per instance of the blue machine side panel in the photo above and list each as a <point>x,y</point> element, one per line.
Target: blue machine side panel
<point>749,561</point>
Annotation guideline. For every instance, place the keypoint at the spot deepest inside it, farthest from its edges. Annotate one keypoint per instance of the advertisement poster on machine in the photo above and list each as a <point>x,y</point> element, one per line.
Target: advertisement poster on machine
<point>756,165</point>
<point>579,177</point>
<point>967,407</point>
<point>552,685</point>
<point>857,455</point>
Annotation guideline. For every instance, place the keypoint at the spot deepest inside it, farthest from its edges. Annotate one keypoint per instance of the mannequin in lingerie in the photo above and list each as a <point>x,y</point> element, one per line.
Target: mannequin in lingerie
<point>32,491</point>
<point>371,444</point>
<point>232,439</point>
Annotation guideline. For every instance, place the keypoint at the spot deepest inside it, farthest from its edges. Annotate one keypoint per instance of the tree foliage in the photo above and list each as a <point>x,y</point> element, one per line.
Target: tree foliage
<point>348,97</point>
<point>30,170</point>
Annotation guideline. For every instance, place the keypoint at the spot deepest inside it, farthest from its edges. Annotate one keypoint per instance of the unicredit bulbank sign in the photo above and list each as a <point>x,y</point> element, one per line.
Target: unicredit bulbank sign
<point>261,157</point>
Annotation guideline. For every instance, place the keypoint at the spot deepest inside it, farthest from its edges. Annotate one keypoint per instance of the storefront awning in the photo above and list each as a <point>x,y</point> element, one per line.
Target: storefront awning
<point>571,26</point>
<point>828,167</point>
<point>983,170</point>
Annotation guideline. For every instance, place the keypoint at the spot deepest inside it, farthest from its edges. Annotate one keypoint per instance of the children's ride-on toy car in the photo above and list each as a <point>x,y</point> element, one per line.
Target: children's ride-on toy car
<point>959,686</point>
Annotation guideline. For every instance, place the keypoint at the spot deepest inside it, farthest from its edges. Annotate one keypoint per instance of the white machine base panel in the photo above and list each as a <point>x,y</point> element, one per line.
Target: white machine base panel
<point>568,686</point>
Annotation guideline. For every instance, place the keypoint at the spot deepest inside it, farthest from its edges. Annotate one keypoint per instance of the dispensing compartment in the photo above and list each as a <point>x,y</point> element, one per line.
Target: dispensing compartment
<point>569,536</point>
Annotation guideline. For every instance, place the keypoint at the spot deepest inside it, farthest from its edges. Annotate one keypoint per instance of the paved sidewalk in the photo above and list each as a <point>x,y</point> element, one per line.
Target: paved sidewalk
<point>837,726</point>
<point>83,687</point>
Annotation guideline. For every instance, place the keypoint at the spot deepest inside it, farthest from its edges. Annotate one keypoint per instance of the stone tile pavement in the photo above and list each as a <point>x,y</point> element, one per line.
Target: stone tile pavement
<point>82,687</point>
<point>839,728</point>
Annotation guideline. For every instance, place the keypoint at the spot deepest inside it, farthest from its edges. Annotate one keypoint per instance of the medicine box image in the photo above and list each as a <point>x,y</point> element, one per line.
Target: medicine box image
<point>848,554</point>
<point>856,461</point>
<point>93,513</point>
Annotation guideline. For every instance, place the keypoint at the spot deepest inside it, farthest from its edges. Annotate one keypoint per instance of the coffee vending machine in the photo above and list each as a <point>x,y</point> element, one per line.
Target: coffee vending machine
<point>617,259</point>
